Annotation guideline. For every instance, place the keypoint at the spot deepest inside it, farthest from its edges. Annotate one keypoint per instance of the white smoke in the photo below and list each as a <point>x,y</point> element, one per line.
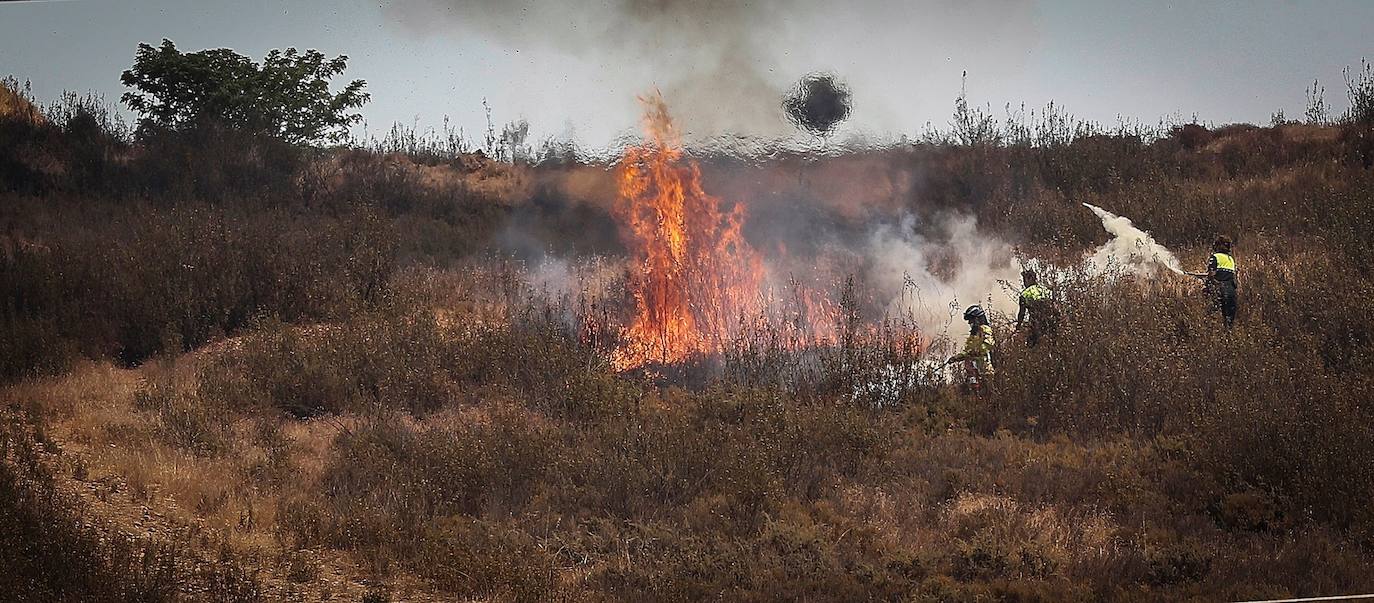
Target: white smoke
<point>983,268</point>
<point>1130,249</point>
<point>904,265</point>
<point>555,277</point>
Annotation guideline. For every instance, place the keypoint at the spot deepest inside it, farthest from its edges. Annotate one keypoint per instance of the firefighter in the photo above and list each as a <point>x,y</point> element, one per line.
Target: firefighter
<point>1221,279</point>
<point>977,354</point>
<point>1036,308</point>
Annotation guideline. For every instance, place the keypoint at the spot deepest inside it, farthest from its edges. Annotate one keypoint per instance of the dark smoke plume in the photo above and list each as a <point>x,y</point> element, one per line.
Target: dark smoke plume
<point>818,103</point>
<point>710,58</point>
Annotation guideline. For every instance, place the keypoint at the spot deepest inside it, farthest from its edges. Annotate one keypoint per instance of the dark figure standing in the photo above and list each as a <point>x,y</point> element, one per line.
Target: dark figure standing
<point>1036,308</point>
<point>1221,279</point>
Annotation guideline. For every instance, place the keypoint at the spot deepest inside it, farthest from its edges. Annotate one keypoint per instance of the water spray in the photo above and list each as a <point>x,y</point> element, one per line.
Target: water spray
<point>1130,248</point>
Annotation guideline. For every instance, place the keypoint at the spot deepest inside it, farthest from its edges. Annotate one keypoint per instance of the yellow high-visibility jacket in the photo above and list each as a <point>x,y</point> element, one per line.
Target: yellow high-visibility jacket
<point>978,350</point>
<point>1222,267</point>
<point>1034,293</point>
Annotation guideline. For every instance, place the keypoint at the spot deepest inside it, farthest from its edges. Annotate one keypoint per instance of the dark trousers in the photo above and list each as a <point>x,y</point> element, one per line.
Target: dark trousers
<point>1224,300</point>
<point>1042,325</point>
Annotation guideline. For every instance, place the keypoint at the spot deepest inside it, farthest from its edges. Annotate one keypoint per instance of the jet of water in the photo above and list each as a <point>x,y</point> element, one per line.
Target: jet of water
<point>1130,248</point>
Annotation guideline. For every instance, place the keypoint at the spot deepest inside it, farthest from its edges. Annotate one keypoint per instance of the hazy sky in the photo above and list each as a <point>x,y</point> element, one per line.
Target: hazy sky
<point>573,68</point>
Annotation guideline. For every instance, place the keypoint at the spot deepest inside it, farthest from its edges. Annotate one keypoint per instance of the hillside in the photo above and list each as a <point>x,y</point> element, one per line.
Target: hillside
<point>240,369</point>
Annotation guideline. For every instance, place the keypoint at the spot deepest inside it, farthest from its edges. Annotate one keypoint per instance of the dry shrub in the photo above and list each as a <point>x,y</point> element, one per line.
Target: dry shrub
<point>544,365</point>
<point>1140,452</point>
<point>403,359</point>
<point>36,341</point>
<point>489,559</point>
<point>1133,341</point>
<point>129,287</point>
<point>182,419</point>
<point>402,491</point>
<point>335,368</point>
<point>742,451</point>
<point>394,477</point>
<point>1316,563</point>
<point>211,163</point>
<point>792,558</point>
<point>56,551</point>
<point>1276,403</point>
<point>443,212</point>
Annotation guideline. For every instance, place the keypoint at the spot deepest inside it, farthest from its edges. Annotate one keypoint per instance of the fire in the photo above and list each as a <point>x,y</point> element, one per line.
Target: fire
<point>694,278</point>
<point>698,286</point>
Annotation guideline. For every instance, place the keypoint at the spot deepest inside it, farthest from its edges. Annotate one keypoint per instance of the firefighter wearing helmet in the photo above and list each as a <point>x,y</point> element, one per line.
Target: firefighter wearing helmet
<point>977,354</point>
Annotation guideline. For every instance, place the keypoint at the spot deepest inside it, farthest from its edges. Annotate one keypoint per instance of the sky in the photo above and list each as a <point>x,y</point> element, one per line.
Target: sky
<point>574,68</point>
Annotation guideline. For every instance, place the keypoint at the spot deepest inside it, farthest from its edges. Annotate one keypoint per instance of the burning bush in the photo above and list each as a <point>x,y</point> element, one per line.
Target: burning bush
<point>693,274</point>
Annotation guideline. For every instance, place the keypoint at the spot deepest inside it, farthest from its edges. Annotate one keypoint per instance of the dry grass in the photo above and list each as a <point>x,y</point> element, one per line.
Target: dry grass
<point>327,409</point>
<point>560,479</point>
<point>16,105</point>
<point>118,452</point>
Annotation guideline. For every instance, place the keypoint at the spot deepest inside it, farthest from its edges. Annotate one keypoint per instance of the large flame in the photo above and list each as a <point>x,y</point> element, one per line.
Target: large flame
<point>694,277</point>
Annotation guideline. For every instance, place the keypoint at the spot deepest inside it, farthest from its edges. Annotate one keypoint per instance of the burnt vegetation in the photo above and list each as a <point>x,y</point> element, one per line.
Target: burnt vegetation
<point>335,337</point>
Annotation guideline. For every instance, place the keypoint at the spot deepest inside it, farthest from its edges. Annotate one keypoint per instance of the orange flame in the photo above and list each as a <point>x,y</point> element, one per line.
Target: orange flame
<point>694,275</point>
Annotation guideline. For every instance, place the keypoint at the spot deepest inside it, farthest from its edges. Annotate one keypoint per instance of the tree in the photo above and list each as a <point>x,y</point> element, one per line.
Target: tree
<point>972,127</point>
<point>285,97</point>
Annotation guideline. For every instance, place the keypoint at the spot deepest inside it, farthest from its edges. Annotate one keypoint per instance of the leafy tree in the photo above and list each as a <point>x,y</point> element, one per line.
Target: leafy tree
<point>286,97</point>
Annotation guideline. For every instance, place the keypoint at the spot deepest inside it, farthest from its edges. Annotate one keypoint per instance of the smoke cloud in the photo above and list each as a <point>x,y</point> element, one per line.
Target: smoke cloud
<point>722,65</point>
<point>708,57</point>
<point>932,281</point>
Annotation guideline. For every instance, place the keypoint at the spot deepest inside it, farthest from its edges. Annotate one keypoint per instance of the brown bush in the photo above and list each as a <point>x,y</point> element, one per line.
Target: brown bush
<point>476,558</point>
<point>55,551</point>
<point>485,445</point>
<point>182,277</point>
